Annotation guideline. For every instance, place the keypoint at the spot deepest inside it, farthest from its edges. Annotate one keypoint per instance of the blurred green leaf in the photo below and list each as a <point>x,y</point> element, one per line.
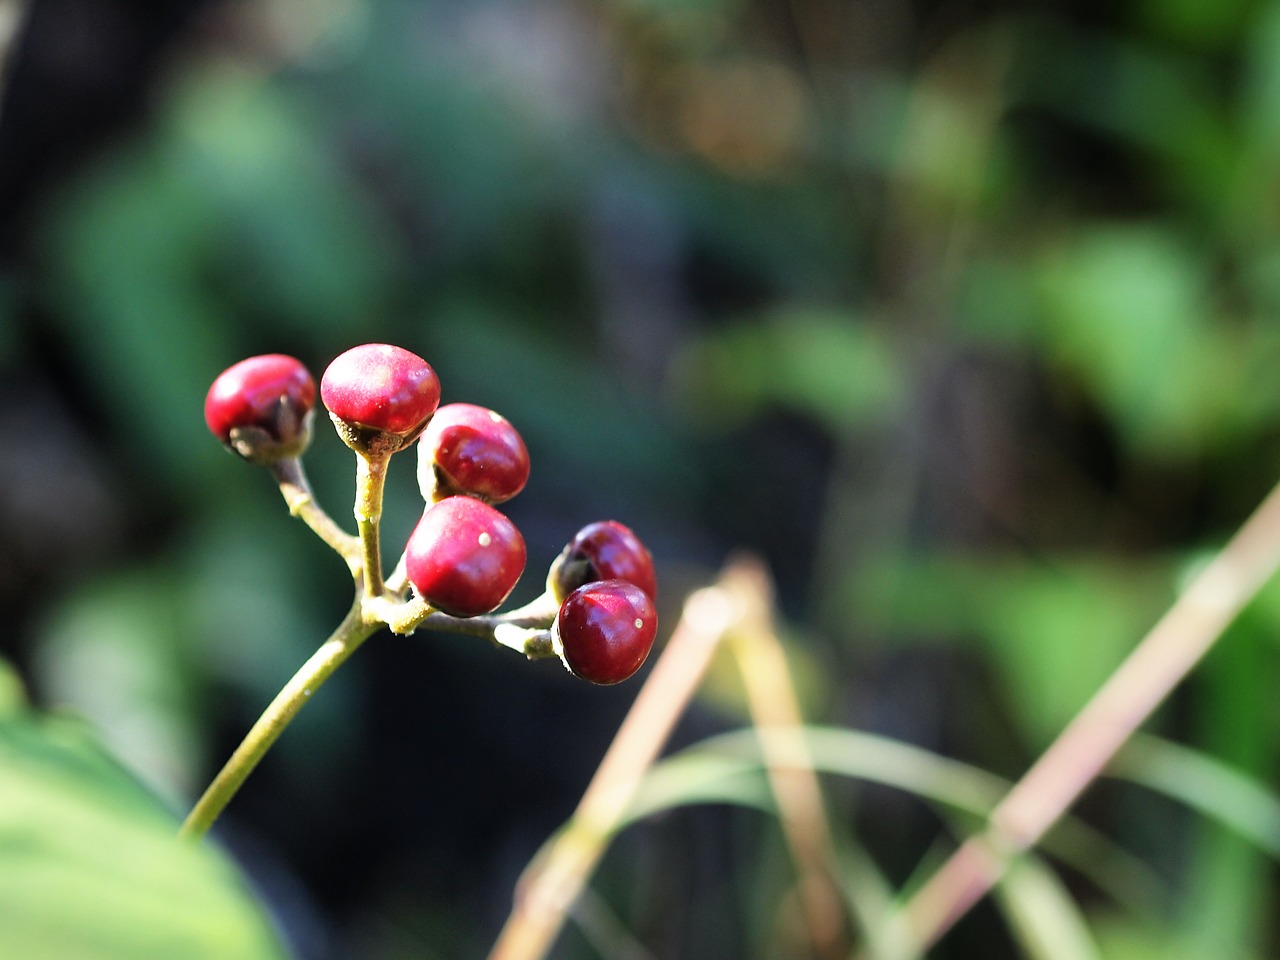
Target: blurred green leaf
<point>124,245</point>
<point>1127,938</point>
<point>823,363</point>
<point>117,653</point>
<point>92,867</point>
<point>1156,103</point>
<point>1260,94</point>
<point>13,694</point>
<point>233,213</point>
<point>1127,312</point>
<point>1056,630</point>
<point>298,240</point>
<point>542,384</point>
<point>1205,25</point>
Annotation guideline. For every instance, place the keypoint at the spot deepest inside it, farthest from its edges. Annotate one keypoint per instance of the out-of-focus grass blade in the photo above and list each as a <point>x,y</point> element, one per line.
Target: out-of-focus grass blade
<point>871,899</point>
<point>728,769</point>
<point>698,776</point>
<point>1204,784</point>
<point>1042,915</point>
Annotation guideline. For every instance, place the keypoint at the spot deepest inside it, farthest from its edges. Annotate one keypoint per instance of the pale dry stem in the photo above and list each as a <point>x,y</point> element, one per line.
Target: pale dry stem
<point>553,881</point>
<point>774,707</point>
<point>1163,658</point>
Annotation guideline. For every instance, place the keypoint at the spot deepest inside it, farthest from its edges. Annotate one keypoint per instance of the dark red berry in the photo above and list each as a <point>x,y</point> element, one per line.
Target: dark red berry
<point>261,407</point>
<point>379,397</point>
<point>605,630</point>
<point>464,557</point>
<point>473,451</point>
<point>605,550</point>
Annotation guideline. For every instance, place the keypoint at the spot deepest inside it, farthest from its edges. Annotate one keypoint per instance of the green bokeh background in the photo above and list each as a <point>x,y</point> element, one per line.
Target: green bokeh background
<point>966,317</point>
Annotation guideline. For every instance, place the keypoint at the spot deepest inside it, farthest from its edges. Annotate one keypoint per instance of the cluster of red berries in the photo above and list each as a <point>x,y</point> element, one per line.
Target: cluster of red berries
<point>464,556</point>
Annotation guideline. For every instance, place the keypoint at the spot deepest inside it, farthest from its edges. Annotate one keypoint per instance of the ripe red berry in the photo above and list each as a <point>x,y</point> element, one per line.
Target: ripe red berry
<point>605,550</point>
<point>473,451</point>
<point>605,630</point>
<point>464,557</point>
<point>379,397</point>
<point>261,408</point>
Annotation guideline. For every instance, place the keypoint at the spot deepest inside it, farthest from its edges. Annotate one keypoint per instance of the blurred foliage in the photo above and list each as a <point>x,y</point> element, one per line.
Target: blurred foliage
<point>965,316</point>
<point>92,863</point>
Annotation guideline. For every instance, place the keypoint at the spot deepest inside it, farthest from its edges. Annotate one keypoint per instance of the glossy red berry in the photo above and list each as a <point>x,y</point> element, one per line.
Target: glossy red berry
<point>379,397</point>
<point>605,550</point>
<point>605,630</point>
<point>464,557</point>
<point>473,451</point>
<point>261,408</point>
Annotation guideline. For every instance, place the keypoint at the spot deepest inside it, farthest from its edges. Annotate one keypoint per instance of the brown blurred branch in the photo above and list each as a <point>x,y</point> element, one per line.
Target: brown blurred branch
<point>1164,657</point>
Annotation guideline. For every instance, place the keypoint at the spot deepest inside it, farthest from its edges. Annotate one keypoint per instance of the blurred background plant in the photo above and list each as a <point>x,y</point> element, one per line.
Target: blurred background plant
<point>963,316</point>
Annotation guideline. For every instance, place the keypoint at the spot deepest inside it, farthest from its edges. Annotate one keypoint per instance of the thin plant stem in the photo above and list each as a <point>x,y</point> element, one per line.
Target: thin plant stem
<point>344,641</point>
<point>371,477</point>
<point>1139,685</point>
<point>300,498</point>
<point>554,879</point>
<point>772,700</point>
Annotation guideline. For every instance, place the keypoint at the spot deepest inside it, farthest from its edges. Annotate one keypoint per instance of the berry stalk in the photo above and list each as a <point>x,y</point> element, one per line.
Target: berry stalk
<point>530,635</point>
<point>371,478</point>
<point>343,642</point>
<point>299,497</point>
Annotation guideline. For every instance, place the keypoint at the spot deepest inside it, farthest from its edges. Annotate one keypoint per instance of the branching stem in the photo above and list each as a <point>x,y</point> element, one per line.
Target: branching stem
<point>344,641</point>
<point>298,495</point>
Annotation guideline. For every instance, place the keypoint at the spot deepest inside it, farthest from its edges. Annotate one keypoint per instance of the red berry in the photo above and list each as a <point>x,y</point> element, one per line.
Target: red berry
<point>261,407</point>
<point>471,450</point>
<point>605,550</point>
<point>605,630</point>
<point>464,557</point>
<point>379,397</point>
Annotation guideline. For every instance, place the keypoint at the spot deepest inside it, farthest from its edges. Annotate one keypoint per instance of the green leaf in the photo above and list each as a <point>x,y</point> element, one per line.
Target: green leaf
<point>1056,629</point>
<point>115,652</point>
<point>93,869</point>
<point>1125,311</point>
<point>13,694</point>
<point>826,364</point>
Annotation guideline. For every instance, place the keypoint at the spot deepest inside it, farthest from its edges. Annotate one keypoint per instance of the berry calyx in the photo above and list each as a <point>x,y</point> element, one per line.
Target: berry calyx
<point>605,550</point>
<point>261,408</point>
<point>379,397</point>
<point>474,451</point>
<point>464,557</point>
<point>605,630</point>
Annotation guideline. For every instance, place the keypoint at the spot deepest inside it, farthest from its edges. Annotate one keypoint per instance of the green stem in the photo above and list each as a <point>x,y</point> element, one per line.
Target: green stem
<point>344,641</point>
<point>371,476</point>
<point>298,495</point>
<point>520,630</point>
<point>531,639</point>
